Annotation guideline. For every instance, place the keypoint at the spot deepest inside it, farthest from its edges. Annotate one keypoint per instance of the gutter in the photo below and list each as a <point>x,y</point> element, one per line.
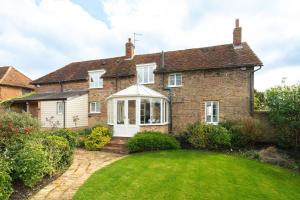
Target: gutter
<point>64,103</point>
<point>167,89</point>
<point>251,89</point>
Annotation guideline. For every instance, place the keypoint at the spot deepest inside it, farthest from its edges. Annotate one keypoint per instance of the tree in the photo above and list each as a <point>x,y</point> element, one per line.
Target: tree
<point>284,113</point>
<point>259,100</point>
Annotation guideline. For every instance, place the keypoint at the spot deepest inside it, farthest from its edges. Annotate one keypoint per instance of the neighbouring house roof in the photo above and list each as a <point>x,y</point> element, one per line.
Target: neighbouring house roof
<point>222,56</point>
<point>137,90</point>
<point>50,96</point>
<point>10,76</point>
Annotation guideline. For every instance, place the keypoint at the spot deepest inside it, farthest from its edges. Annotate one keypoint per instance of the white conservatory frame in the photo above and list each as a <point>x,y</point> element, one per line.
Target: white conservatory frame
<point>135,93</point>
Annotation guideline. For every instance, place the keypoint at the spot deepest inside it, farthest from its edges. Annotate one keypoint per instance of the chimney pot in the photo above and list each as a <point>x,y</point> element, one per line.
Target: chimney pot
<point>237,23</point>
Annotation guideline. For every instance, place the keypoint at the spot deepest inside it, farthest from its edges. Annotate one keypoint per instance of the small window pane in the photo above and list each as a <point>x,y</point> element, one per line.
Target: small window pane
<point>151,74</point>
<point>120,112</point>
<point>59,107</point>
<point>212,111</point>
<point>146,75</point>
<point>131,112</point>
<point>155,118</point>
<point>145,111</point>
<point>178,79</point>
<point>172,79</point>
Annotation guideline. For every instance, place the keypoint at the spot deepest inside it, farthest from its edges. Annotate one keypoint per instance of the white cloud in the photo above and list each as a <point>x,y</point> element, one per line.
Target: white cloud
<point>268,78</point>
<point>38,38</point>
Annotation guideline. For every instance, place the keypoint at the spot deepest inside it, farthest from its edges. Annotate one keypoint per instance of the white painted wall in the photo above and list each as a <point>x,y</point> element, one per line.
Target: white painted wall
<point>77,106</point>
<point>48,110</point>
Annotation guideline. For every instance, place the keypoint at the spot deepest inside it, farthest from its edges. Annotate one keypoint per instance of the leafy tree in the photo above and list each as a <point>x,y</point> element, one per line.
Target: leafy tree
<point>259,100</point>
<point>284,106</point>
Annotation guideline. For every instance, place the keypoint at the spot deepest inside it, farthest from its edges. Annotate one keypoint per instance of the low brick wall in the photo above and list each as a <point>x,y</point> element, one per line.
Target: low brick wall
<point>160,128</point>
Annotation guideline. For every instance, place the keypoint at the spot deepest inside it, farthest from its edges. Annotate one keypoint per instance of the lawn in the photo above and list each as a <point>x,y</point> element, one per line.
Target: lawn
<point>190,175</point>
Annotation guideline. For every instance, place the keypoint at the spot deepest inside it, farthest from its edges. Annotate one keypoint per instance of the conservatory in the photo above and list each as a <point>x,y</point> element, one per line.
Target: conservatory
<point>135,109</point>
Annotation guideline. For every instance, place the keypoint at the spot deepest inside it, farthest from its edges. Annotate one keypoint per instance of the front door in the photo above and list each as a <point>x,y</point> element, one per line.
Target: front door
<point>126,118</point>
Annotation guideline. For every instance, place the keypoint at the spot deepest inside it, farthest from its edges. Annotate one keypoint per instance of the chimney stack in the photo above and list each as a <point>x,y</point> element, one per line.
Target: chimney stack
<point>237,34</point>
<point>129,49</point>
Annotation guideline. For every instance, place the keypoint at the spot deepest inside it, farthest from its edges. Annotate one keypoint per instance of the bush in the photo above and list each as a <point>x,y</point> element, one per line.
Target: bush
<point>69,135</point>
<point>99,137</point>
<point>12,123</point>
<point>245,132</point>
<point>31,163</point>
<point>273,156</point>
<point>150,141</point>
<point>208,136</point>
<point>5,180</point>
<point>284,109</point>
<point>60,153</point>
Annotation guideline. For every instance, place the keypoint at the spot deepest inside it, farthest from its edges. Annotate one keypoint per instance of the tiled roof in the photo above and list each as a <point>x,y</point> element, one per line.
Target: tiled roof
<point>50,96</point>
<point>221,56</point>
<point>11,77</point>
<point>3,71</point>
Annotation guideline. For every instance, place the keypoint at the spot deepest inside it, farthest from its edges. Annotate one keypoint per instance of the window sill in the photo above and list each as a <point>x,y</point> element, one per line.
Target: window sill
<point>96,88</point>
<point>155,124</point>
<point>174,86</point>
<point>146,83</point>
<point>213,123</point>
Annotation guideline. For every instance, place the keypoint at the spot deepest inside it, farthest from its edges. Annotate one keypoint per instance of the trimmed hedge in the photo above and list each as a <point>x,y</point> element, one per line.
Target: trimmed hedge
<point>151,141</point>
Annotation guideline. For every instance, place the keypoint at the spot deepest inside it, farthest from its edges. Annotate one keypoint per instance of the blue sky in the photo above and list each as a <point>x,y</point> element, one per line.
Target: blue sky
<point>39,36</point>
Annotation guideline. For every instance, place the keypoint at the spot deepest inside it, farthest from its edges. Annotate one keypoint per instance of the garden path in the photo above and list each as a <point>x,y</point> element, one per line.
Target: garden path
<point>85,163</point>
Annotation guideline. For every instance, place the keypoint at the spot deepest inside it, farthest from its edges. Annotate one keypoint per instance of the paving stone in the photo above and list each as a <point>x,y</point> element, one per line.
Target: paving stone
<point>84,164</point>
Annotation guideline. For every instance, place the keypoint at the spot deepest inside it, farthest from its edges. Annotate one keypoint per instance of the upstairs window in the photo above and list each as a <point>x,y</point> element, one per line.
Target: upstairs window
<point>95,79</point>
<point>175,80</point>
<point>145,73</point>
<point>212,112</point>
<point>94,107</point>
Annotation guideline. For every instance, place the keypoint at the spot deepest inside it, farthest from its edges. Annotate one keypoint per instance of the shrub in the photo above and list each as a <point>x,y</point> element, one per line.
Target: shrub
<point>5,180</point>
<point>245,132</point>
<point>208,136</point>
<point>273,156</point>
<point>69,135</point>
<point>99,137</point>
<point>150,141</point>
<point>60,153</point>
<point>12,123</point>
<point>31,163</point>
<point>284,109</point>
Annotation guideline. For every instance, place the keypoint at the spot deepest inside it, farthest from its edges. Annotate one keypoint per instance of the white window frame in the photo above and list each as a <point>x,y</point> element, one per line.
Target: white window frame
<point>60,107</point>
<point>164,114</point>
<point>140,68</point>
<point>218,112</point>
<point>175,80</point>
<point>98,74</point>
<point>95,111</point>
<point>110,112</point>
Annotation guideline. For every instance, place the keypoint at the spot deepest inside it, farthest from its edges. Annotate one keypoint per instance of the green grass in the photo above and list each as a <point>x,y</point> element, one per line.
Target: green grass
<point>190,175</point>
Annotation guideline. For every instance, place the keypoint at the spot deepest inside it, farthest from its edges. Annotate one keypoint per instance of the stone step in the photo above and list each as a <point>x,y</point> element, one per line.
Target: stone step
<point>114,149</point>
<point>117,145</point>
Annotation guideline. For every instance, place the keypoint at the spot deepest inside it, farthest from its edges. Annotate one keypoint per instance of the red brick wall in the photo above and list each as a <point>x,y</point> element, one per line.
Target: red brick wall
<point>228,86</point>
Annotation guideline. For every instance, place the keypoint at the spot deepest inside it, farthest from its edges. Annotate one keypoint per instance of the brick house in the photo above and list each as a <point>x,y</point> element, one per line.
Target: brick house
<point>158,91</point>
<point>13,83</point>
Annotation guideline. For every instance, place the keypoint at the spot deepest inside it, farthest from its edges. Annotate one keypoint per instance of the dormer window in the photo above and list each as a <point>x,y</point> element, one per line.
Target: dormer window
<point>145,73</point>
<point>95,78</point>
